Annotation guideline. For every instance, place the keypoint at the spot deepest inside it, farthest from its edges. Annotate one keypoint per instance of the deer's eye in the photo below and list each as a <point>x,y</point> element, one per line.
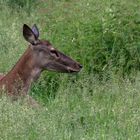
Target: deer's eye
<point>41,50</point>
<point>54,53</point>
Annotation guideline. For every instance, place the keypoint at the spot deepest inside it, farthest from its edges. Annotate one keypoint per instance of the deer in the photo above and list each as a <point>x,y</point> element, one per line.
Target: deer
<point>39,56</point>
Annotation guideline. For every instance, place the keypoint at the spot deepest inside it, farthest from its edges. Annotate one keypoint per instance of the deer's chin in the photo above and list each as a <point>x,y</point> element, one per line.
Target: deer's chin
<point>56,70</point>
<point>56,67</point>
<point>61,68</point>
<point>64,71</point>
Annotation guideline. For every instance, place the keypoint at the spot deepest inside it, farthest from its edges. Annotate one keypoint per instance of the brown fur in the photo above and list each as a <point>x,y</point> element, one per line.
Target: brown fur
<point>1,76</point>
<point>21,75</point>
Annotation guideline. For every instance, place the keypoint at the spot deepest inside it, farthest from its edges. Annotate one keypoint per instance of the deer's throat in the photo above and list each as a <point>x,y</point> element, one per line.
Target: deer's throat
<point>22,74</point>
<point>27,69</point>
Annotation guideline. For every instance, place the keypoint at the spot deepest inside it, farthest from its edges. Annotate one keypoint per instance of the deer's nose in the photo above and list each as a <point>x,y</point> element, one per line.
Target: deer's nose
<point>80,66</point>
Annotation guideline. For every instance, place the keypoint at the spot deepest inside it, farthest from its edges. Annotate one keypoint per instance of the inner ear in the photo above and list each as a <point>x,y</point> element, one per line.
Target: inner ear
<point>35,30</point>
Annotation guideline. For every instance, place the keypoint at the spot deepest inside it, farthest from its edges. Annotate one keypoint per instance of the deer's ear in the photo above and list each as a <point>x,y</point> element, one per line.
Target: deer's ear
<point>29,34</point>
<point>35,30</point>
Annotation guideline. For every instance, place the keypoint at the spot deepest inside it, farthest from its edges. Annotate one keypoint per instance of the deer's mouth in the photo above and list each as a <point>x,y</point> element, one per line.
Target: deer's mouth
<point>72,70</point>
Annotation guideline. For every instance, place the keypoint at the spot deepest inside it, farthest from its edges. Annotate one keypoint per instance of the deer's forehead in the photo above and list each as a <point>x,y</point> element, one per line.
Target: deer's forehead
<point>45,42</point>
<point>47,47</point>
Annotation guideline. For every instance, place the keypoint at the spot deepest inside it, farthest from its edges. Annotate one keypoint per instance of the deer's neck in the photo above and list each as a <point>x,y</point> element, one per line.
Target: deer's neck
<point>23,73</point>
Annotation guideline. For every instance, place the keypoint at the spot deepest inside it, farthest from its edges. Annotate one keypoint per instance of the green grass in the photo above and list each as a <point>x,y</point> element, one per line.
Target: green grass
<point>102,102</point>
<point>79,111</point>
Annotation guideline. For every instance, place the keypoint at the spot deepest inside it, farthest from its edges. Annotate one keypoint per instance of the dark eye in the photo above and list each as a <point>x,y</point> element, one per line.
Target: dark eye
<point>54,53</point>
<point>41,50</point>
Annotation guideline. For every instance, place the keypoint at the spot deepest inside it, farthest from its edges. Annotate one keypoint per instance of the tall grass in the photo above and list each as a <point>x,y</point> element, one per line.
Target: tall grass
<point>102,35</point>
<point>98,103</point>
<point>26,5</point>
<point>84,110</point>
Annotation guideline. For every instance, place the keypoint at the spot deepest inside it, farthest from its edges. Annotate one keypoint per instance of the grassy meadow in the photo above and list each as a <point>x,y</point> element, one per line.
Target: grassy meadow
<point>102,102</point>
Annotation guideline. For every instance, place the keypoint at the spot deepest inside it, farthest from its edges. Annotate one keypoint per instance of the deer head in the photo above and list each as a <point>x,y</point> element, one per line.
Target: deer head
<point>46,56</point>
